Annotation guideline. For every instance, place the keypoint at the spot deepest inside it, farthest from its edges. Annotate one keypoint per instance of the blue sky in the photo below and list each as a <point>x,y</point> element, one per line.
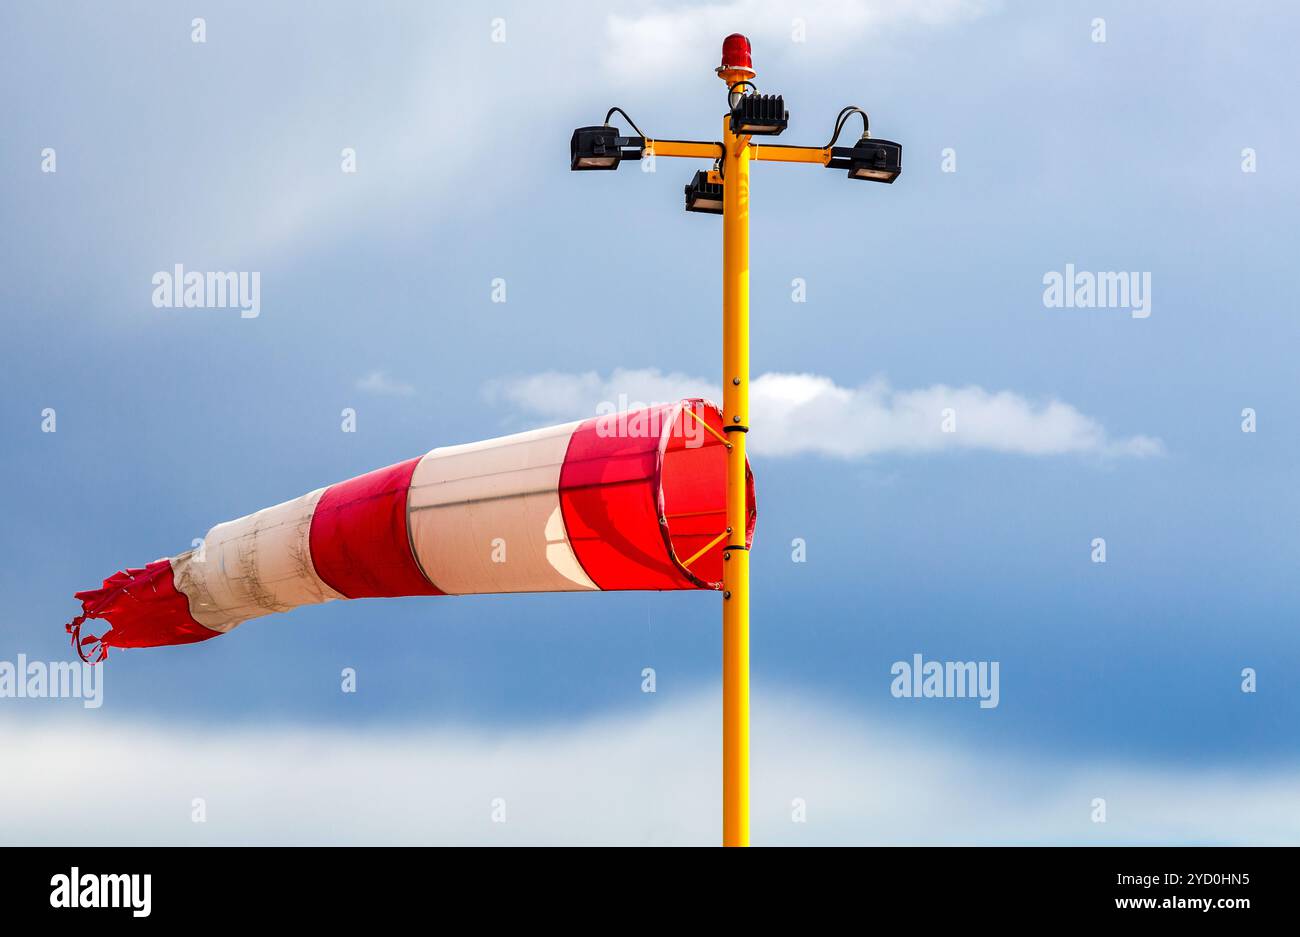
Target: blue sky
<point>1123,155</point>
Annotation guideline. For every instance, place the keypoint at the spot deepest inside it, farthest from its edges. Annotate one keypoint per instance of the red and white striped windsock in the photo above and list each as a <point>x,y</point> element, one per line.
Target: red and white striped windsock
<point>632,500</point>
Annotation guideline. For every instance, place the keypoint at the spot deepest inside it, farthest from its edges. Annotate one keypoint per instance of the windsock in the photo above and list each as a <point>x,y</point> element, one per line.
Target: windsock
<point>631,500</point>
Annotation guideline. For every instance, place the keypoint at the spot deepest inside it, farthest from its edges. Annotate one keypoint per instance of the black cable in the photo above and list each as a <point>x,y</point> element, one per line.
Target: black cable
<point>843,118</point>
<point>620,110</point>
<point>731,90</point>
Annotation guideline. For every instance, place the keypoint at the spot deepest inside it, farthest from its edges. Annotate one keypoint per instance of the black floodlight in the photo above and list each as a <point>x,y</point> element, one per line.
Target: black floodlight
<point>602,148</point>
<point>872,160</point>
<point>759,115</point>
<point>703,195</point>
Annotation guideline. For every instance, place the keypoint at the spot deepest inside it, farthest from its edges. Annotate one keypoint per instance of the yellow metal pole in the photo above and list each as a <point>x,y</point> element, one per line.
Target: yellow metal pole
<point>735,569</point>
<point>733,172</point>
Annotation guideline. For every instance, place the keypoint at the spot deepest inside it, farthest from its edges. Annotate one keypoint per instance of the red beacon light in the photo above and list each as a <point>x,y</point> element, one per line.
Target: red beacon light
<point>736,55</point>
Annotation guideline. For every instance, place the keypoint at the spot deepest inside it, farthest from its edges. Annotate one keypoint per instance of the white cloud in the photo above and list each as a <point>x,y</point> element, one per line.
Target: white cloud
<point>650,777</point>
<point>809,413</point>
<point>378,382</point>
<point>669,39</point>
<point>563,395</point>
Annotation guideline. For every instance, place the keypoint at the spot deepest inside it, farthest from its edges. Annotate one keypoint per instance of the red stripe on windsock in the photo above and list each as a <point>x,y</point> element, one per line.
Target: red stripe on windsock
<point>609,493</point>
<point>644,498</point>
<point>144,609</point>
<point>360,545</point>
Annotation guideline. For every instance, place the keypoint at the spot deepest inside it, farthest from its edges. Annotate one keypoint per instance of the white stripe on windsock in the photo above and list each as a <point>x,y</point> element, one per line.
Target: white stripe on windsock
<point>486,517</point>
<point>253,566</point>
